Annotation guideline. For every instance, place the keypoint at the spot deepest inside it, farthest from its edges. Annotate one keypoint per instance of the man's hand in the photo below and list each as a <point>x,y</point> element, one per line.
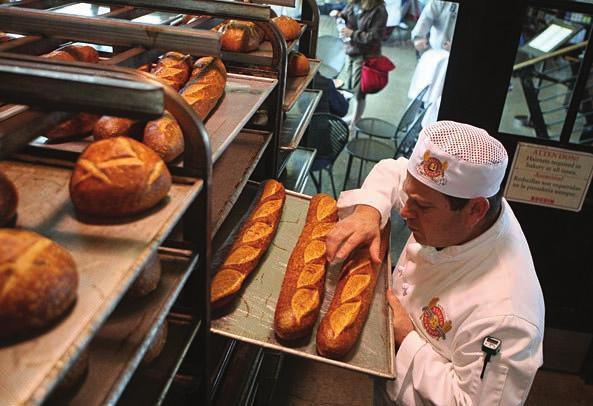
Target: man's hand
<point>361,227</point>
<point>420,44</point>
<point>402,325</point>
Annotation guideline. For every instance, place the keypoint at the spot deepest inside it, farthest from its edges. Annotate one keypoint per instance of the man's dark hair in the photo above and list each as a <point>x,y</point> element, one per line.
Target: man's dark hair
<point>458,203</point>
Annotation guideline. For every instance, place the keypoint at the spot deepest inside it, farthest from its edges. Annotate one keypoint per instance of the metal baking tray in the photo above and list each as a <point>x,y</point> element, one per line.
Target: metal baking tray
<point>108,254</point>
<point>251,317</point>
<point>243,96</point>
<point>298,118</point>
<point>296,85</point>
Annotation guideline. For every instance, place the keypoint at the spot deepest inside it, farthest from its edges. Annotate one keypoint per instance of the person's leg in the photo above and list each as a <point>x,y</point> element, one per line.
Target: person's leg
<point>359,97</point>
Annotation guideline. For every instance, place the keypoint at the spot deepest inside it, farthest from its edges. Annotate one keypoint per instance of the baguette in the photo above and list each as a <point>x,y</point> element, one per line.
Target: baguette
<point>240,36</point>
<point>253,240</point>
<point>206,85</point>
<point>81,123</point>
<point>289,27</point>
<point>301,295</point>
<point>342,324</point>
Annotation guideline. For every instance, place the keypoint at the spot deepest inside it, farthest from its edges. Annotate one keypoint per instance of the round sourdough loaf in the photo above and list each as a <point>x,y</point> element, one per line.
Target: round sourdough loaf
<point>118,177</point>
<point>157,344</point>
<point>289,27</point>
<point>164,136</point>
<point>148,280</point>
<point>73,378</point>
<point>298,64</point>
<point>8,200</point>
<point>38,281</point>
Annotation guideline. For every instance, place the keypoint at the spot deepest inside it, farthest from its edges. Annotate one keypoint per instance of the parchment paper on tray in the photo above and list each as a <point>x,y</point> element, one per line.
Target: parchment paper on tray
<point>251,316</point>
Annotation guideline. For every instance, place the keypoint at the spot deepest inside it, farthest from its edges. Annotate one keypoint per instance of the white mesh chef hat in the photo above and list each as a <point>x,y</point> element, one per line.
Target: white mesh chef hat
<point>458,160</point>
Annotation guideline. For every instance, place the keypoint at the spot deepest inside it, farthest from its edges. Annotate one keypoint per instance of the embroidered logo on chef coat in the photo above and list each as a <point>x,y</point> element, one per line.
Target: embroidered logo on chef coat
<point>432,168</point>
<point>434,320</point>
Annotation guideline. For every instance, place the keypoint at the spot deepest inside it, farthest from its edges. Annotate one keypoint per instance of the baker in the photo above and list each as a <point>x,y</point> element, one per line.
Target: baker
<point>468,308</point>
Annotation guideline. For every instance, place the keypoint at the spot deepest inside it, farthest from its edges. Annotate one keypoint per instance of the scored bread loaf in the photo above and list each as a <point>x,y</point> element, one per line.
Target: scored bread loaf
<point>206,85</point>
<point>173,69</point>
<point>156,345</point>
<point>117,177</point>
<point>73,378</point>
<point>8,200</point>
<point>301,295</point>
<point>288,26</point>
<point>249,246</point>
<point>240,36</point>
<point>38,281</point>
<point>147,280</point>
<point>74,53</point>
<point>110,126</point>
<point>164,136</point>
<point>341,326</point>
<point>298,64</point>
<point>81,123</point>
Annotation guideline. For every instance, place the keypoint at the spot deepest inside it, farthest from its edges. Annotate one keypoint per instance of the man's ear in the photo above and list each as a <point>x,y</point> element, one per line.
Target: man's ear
<point>477,207</point>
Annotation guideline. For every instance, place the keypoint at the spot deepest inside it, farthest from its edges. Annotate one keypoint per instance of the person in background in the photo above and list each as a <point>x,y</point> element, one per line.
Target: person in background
<point>435,26</point>
<point>468,310</point>
<point>365,22</point>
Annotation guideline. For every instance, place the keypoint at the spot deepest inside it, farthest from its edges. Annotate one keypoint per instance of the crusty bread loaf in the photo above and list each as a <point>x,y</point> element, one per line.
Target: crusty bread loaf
<point>289,27</point>
<point>164,136</point>
<point>206,85</point>
<point>249,246</point>
<point>298,64</point>
<point>341,326</point>
<point>109,127</point>
<point>156,345</point>
<point>302,290</point>
<point>148,280</point>
<point>38,281</point>
<point>73,378</point>
<point>82,123</point>
<point>79,53</point>
<point>8,200</point>
<point>117,177</point>
<point>173,69</point>
<point>240,36</point>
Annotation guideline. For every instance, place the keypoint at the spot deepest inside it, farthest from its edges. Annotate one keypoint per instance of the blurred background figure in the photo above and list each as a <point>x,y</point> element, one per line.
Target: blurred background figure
<point>362,31</point>
<point>432,37</point>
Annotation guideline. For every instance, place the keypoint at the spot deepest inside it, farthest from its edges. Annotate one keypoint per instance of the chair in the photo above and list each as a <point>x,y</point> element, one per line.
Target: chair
<point>328,134</point>
<point>330,50</point>
<point>371,150</point>
<point>376,127</point>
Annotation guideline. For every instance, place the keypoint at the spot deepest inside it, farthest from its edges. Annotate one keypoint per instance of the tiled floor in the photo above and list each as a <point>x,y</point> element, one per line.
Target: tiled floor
<point>304,382</point>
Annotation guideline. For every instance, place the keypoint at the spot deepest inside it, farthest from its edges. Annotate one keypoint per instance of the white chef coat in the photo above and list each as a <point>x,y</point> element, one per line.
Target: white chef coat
<point>437,18</point>
<point>455,298</point>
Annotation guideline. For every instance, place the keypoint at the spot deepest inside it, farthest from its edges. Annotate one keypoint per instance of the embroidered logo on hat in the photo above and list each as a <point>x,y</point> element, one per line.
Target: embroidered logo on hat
<point>433,169</point>
<point>434,320</point>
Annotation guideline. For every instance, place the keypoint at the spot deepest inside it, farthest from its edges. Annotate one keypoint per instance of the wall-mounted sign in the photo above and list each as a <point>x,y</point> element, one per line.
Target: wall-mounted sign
<point>549,176</point>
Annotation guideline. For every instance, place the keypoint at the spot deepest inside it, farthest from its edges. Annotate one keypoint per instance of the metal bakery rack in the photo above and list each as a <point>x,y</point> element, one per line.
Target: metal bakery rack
<point>235,145</point>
